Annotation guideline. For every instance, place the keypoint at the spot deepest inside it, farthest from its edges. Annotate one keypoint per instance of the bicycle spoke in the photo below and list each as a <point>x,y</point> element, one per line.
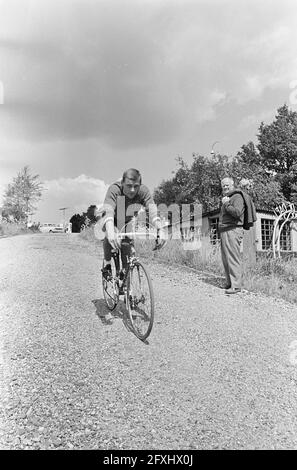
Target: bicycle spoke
<point>140,301</point>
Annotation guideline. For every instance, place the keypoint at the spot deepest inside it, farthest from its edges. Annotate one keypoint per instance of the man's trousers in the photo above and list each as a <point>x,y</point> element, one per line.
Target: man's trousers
<point>231,242</point>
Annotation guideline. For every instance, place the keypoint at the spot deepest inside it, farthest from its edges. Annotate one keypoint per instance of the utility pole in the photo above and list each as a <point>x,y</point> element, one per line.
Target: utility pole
<point>64,209</point>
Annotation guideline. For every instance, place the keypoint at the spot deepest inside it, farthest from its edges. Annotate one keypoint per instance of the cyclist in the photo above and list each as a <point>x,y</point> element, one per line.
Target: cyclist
<point>123,199</point>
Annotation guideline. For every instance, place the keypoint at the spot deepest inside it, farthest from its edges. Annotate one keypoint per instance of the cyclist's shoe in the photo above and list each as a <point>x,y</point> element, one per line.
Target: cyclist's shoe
<point>106,272</point>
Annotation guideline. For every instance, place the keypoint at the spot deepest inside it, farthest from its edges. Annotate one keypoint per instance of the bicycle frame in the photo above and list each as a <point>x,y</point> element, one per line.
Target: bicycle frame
<point>131,261</point>
<point>132,281</point>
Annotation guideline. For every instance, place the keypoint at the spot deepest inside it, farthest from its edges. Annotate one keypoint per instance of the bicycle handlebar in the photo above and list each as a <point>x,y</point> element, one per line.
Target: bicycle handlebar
<point>133,234</point>
<point>159,243</point>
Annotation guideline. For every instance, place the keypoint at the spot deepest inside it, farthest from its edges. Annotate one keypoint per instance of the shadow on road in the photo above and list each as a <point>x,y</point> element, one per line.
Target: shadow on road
<point>213,280</point>
<point>107,317</point>
<point>102,311</point>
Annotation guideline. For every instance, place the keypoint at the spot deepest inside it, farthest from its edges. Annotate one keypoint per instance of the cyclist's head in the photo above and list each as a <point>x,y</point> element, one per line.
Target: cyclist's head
<point>131,182</point>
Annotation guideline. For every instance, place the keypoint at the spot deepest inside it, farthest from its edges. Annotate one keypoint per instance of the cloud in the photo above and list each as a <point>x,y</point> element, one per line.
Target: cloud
<point>133,74</point>
<point>96,78</point>
<point>75,194</point>
<point>254,120</point>
<point>6,165</point>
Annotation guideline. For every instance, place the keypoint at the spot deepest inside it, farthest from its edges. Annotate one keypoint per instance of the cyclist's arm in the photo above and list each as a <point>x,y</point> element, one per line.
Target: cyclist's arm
<point>111,234</point>
<point>110,203</point>
<point>151,206</point>
<point>109,226</point>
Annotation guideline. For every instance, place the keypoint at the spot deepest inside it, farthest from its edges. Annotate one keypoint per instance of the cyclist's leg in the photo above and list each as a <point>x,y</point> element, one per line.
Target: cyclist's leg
<point>107,257</point>
<point>109,276</point>
<point>126,248</point>
<point>107,250</point>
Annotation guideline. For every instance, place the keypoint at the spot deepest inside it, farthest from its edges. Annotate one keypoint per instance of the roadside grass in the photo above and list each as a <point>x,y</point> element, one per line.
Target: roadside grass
<point>273,277</point>
<point>89,235</point>
<point>205,259</point>
<point>10,229</point>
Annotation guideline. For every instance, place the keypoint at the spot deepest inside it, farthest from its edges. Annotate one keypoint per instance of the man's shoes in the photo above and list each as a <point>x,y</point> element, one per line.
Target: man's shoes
<point>233,290</point>
<point>106,272</point>
<point>226,286</point>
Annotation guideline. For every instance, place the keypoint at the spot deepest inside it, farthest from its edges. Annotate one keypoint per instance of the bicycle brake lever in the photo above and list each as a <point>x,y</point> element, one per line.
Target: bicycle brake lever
<point>156,247</point>
<point>159,244</point>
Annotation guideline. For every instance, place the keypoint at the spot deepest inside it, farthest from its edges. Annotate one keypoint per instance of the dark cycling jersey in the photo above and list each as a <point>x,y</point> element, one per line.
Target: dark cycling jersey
<point>121,209</point>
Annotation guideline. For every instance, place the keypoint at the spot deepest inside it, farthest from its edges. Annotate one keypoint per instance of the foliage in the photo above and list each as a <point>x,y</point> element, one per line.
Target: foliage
<point>199,183</point>
<point>271,167</point>
<point>175,190</point>
<point>265,189</point>
<point>90,214</point>
<point>10,229</point>
<point>278,150</point>
<point>86,219</point>
<point>77,221</point>
<point>21,196</point>
<point>205,179</point>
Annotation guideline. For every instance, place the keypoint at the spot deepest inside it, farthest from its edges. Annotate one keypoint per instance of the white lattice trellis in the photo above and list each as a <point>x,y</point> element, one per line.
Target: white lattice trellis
<point>285,212</point>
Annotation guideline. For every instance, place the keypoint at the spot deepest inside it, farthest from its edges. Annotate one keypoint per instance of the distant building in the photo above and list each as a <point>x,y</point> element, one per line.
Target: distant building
<point>263,230</point>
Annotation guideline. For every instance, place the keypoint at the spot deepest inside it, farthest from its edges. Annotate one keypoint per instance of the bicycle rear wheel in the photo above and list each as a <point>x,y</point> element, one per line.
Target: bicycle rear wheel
<point>110,287</point>
<point>140,301</point>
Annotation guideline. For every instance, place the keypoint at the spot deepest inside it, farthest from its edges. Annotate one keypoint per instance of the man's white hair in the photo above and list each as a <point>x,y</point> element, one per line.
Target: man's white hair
<point>231,180</point>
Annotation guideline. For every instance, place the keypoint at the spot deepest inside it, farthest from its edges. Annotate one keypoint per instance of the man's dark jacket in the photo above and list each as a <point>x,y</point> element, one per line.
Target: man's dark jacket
<point>250,215</point>
<point>236,213</point>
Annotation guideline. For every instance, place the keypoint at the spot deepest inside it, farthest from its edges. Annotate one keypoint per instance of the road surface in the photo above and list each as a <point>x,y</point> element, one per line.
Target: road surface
<point>218,372</point>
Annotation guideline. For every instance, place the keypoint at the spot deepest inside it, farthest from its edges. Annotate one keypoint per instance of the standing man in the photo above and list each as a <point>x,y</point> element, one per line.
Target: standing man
<point>231,229</point>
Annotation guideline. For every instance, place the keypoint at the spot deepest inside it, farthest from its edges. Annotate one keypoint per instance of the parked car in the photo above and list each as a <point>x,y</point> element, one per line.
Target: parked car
<point>51,228</point>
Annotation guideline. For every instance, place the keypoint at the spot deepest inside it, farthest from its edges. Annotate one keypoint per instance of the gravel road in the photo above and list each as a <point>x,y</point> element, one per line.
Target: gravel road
<point>218,372</point>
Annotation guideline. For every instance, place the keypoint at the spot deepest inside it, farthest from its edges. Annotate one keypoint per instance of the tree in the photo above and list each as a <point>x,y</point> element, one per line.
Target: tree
<point>77,222</point>
<point>177,189</point>
<point>21,196</point>
<point>165,193</point>
<point>278,149</point>
<point>199,183</point>
<point>85,219</point>
<point>265,189</point>
<point>271,166</point>
<point>90,214</point>
<point>205,179</point>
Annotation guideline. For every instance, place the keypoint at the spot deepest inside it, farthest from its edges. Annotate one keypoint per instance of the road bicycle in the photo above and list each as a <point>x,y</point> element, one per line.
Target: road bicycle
<point>134,283</point>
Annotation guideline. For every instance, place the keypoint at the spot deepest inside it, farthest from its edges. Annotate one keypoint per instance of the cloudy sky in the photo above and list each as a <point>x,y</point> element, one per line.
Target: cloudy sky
<point>89,88</point>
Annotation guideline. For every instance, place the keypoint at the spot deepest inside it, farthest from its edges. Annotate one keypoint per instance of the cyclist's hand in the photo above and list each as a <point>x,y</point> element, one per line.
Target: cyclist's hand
<point>161,240</point>
<point>161,234</point>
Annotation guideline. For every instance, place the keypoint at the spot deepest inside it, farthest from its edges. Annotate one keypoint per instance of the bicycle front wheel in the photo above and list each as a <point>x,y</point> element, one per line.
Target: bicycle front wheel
<point>140,301</point>
<point>110,287</point>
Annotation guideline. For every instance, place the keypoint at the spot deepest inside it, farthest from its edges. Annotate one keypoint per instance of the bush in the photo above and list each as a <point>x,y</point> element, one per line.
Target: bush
<point>9,229</point>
